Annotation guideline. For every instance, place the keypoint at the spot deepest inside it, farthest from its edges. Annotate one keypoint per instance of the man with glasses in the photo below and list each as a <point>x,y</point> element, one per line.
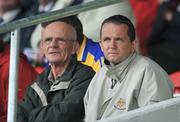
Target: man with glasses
<point>57,94</point>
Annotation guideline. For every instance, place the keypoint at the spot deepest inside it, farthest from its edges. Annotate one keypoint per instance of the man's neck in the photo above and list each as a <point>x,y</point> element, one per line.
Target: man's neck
<point>58,69</point>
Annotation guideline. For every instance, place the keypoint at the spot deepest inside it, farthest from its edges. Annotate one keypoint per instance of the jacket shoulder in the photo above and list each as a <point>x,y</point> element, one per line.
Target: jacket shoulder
<point>84,70</point>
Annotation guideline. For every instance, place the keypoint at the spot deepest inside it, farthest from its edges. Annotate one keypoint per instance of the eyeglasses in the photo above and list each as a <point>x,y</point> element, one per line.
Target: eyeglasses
<point>59,41</point>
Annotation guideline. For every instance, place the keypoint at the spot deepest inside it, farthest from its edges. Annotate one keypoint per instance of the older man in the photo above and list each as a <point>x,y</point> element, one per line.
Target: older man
<point>57,94</point>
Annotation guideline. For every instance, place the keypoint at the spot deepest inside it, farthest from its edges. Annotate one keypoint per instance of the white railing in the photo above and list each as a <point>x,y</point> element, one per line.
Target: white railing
<point>165,111</point>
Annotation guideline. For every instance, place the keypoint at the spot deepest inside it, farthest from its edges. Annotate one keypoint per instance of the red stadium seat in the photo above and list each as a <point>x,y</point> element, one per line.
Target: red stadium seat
<point>175,77</point>
<point>39,69</point>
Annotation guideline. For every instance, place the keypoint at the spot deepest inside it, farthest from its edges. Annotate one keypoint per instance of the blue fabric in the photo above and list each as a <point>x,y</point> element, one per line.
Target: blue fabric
<point>94,49</point>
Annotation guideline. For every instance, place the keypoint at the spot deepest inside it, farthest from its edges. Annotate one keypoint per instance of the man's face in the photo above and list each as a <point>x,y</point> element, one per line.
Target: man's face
<point>58,42</point>
<point>7,5</point>
<point>115,42</point>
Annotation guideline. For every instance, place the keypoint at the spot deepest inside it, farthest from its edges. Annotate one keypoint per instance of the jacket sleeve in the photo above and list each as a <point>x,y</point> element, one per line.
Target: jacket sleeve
<point>71,108</point>
<point>156,86</point>
<point>27,75</point>
<point>27,105</point>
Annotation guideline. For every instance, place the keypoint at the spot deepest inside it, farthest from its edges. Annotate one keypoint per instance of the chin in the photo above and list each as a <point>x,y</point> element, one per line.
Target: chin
<point>54,61</point>
<point>114,61</point>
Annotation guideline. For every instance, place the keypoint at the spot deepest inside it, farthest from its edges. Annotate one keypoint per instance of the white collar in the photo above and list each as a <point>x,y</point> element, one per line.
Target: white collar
<point>46,8</point>
<point>178,8</point>
<point>10,15</point>
<point>62,4</point>
<point>59,4</point>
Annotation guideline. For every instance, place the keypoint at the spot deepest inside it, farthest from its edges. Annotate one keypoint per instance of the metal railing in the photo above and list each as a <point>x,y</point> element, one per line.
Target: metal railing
<point>49,16</point>
<point>15,26</point>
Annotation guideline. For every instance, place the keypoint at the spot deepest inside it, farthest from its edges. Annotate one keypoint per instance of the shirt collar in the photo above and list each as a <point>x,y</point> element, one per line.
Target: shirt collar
<point>50,77</point>
<point>67,75</point>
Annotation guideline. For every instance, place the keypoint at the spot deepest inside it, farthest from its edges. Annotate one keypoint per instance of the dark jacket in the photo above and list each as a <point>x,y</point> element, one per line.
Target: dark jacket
<point>164,31</point>
<point>164,40</point>
<point>62,102</point>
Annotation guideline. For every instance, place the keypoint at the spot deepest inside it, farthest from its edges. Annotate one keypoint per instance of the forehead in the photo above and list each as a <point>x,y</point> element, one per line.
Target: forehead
<point>58,28</point>
<point>114,28</point>
<point>59,25</point>
<point>112,25</point>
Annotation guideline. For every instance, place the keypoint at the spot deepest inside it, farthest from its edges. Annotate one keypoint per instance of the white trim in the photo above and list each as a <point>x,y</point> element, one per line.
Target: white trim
<point>40,92</point>
<point>60,86</point>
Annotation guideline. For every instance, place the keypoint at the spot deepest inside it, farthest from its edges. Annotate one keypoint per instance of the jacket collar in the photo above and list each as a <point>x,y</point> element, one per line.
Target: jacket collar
<point>119,71</point>
<point>67,75</point>
<point>45,84</point>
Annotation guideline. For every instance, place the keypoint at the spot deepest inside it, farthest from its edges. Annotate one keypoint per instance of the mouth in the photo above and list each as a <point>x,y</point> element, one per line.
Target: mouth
<point>52,53</point>
<point>112,53</point>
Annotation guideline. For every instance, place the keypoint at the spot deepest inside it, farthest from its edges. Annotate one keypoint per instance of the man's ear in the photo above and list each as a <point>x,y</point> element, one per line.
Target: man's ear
<point>134,45</point>
<point>100,43</point>
<point>76,47</point>
<point>40,45</point>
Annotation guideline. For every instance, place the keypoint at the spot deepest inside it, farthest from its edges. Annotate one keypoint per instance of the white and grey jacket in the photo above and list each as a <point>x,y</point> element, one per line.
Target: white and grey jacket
<point>136,82</point>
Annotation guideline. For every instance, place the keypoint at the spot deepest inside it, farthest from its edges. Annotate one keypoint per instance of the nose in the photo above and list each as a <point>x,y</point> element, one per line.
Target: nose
<point>112,44</point>
<point>53,42</point>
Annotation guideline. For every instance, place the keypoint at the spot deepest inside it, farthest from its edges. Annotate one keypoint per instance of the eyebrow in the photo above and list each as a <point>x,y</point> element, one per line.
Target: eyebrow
<point>119,38</point>
<point>106,38</point>
<point>59,38</point>
<point>116,38</point>
<point>47,38</point>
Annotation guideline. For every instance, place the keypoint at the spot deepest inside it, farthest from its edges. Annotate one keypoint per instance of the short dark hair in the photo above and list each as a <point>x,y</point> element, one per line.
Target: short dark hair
<point>120,19</point>
<point>72,21</point>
